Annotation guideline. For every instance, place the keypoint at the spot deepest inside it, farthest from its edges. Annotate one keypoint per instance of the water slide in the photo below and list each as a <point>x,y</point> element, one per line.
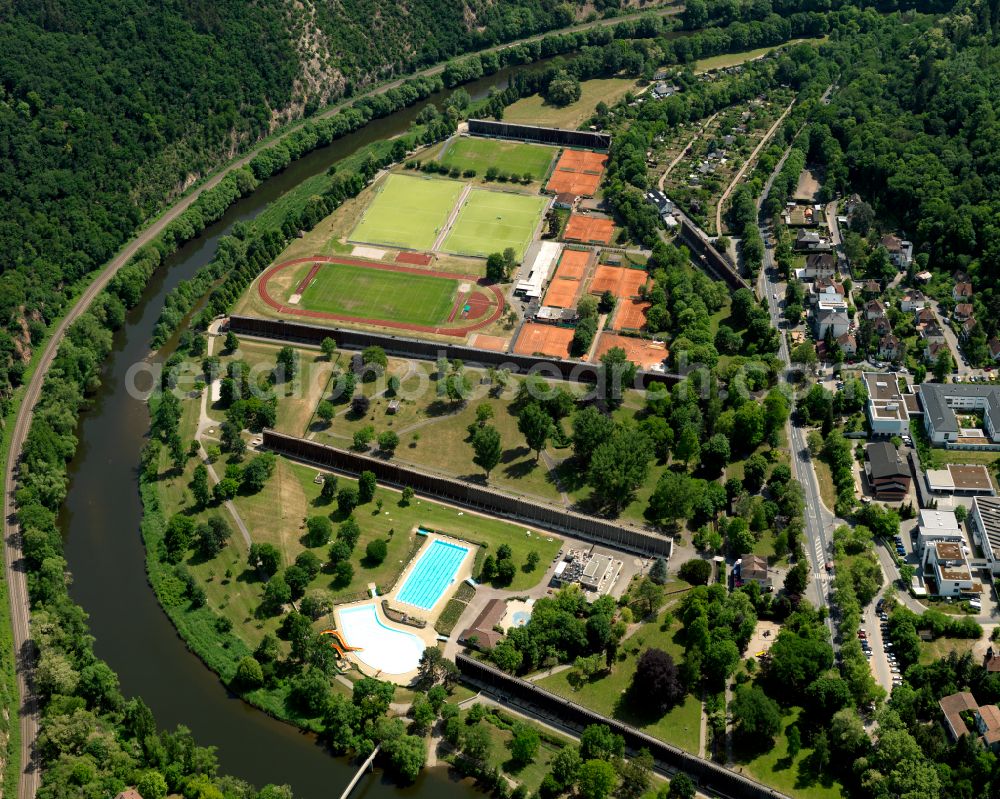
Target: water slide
<point>339,644</point>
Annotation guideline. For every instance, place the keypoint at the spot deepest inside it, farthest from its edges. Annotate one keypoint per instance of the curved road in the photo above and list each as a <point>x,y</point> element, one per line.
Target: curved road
<point>14,568</point>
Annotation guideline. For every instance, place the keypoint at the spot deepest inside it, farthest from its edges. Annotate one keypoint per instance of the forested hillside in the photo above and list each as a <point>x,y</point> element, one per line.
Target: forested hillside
<point>110,107</point>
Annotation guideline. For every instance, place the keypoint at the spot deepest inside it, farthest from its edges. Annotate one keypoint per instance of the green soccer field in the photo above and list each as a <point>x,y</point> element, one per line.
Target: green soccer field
<point>491,221</point>
<point>380,294</point>
<point>408,211</point>
<point>509,157</point>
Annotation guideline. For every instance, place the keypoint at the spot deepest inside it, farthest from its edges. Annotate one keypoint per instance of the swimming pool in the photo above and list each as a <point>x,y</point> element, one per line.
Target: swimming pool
<point>432,574</point>
<point>383,648</point>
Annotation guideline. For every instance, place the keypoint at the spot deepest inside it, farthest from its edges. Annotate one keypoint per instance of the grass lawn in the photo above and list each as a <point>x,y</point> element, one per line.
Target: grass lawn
<point>535,111</point>
<point>531,774</point>
<point>491,221</point>
<point>792,777</point>
<point>408,211</point>
<point>353,290</point>
<point>734,59</point>
<point>827,490</point>
<point>510,157</point>
<point>607,694</point>
<point>277,515</point>
<point>939,648</point>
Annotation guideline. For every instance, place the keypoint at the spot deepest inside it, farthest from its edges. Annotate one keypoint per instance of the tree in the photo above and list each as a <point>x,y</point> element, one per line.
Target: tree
<point>388,441</point>
<point>151,785</point>
<point>496,268</point>
<point>232,343</point>
<point>366,487</point>
<point>476,743</point>
<point>363,438</point>
<point>681,786</point>
<point>695,571</point>
<point>524,743</point>
<point>487,447</point>
<point>794,741</point>
<point>347,499</point>
<point>797,578</point>
<point>673,498</point>
<point>225,489</point>
<point>688,447</point>
<point>212,536</point>
<point>325,411</point>
<point>319,529</point>
<point>264,559</point>
<point>248,674</point>
<point>943,365</point>
<point>178,537</point>
<point>563,89</point>
<point>531,561</point>
<point>374,360</point>
<point>758,717</point>
<point>329,489</point>
<point>616,374</point>
<point>328,347</point>
<point>359,406</point>
<point>509,255</point>
<point>343,573</point>
<point>257,472</point>
<point>376,551</point>
<point>658,572</point>
<point>565,766</point>
<point>276,594</point>
<point>199,485</point>
<point>715,454</point>
<point>406,497</point>
<point>649,596</point>
<point>407,755</point>
<point>620,465</point>
<point>591,428</point>
<point>636,775</point>
<point>657,682</point>
<point>286,366</point>
<point>596,779</point>
<point>536,427</point>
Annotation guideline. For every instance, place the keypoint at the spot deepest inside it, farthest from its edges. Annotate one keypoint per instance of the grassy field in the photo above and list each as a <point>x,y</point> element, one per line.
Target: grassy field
<point>368,293</point>
<point>510,157</point>
<point>607,694</point>
<point>931,651</point>
<point>408,212</point>
<point>535,111</point>
<point>790,776</point>
<point>734,59</point>
<point>491,221</point>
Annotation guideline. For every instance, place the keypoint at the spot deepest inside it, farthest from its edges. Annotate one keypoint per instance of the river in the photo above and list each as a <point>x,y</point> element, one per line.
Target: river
<point>101,517</point>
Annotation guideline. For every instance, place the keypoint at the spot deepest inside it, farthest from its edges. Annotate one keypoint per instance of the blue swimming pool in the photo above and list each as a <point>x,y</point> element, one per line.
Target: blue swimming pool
<point>433,573</point>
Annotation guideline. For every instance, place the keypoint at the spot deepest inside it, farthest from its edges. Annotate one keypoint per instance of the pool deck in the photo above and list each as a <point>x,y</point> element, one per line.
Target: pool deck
<point>463,572</point>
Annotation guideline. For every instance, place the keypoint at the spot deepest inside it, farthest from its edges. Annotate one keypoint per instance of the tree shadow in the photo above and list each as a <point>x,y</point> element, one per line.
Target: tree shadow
<point>519,469</point>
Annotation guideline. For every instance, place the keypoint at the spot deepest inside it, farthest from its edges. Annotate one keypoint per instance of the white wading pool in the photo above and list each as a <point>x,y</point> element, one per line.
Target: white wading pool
<point>383,648</point>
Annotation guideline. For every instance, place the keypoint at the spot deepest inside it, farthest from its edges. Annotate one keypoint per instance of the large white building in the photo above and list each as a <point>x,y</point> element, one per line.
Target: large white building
<point>886,408</point>
<point>984,524</point>
<point>947,564</point>
<point>941,401</point>
<point>937,526</point>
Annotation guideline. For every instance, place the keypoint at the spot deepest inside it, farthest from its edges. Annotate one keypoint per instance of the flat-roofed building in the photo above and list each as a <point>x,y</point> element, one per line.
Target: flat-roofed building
<point>934,526</point>
<point>984,524</point>
<point>946,563</point>
<point>886,408</point>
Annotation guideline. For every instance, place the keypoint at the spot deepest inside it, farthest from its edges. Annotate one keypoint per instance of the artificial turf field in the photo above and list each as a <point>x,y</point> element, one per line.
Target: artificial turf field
<point>491,221</point>
<point>509,157</point>
<point>368,293</point>
<point>408,212</point>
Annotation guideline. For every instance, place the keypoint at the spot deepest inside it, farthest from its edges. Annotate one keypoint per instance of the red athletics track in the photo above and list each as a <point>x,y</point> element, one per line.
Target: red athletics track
<point>265,295</point>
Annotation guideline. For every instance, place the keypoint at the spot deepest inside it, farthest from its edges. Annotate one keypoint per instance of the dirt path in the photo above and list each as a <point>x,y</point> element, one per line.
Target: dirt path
<point>746,164</point>
<point>456,209</point>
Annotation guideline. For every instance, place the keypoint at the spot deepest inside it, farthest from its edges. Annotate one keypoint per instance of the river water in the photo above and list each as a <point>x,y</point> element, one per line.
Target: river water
<point>101,519</point>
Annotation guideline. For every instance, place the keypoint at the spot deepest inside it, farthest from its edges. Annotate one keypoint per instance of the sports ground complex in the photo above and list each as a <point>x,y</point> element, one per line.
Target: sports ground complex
<point>414,243</point>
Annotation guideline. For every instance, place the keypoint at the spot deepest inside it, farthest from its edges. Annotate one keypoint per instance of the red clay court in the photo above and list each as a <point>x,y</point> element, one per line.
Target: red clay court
<point>415,258</point>
<point>545,339</point>
<point>622,282</point>
<point>577,172</point>
<point>486,342</point>
<point>589,229</point>
<point>478,308</point>
<point>631,315</point>
<point>562,293</point>
<point>573,264</point>
<point>640,351</point>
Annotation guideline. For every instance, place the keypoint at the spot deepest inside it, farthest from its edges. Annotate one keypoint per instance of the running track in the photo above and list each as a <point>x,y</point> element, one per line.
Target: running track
<point>265,295</point>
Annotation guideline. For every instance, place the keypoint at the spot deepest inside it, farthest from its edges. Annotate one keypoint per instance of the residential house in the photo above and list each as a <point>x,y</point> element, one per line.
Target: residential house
<point>890,348</point>
<point>837,322</point>
<point>887,473</point>
<point>932,333</point>
<point>753,568</point>
<point>995,348</point>
<point>967,328</point>
<point>886,407</point>
<point>991,661</point>
<point>848,344</point>
<point>662,89</point>
<point>565,199</point>
<point>811,240</point>
<point>819,266</point>
<point>129,793</point>
<point>900,251</point>
<point>882,326</point>
<point>933,350</point>
<point>871,289</point>
<point>961,711</point>
<point>923,277</point>
<point>874,309</point>
<point>963,311</point>
<point>961,292</point>
<point>913,300</point>
<point>660,202</point>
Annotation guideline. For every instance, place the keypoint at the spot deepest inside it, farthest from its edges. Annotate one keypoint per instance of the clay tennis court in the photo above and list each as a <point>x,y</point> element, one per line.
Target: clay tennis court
<point>485,342</point>
<point>623,283</point>
<point>631,315</point>
<point>591,229</point>
<point>562,293</point>
<point>415,258</point>
<point>641,352</point>
<point>577,172</point>
<point>544,339</point>
<point>573,264</point>
<point>485,302</point>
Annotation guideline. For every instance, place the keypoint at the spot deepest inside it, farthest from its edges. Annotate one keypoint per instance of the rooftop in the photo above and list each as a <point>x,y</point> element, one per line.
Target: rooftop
<point>938,520</point>
<point>948,551</point>
<point>987,509</point>
<point>882,386</point>
<point>970,477</point>
<point>934,397</point>
<point>885,461</point>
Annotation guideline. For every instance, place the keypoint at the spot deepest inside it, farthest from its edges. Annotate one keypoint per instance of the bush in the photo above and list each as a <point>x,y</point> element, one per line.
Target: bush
<point>376,551</point>
<point>695,571</point>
